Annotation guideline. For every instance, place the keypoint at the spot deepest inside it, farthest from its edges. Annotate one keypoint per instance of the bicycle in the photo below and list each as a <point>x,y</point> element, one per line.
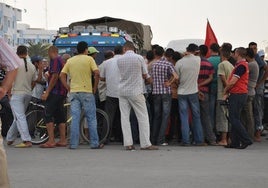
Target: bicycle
<point>38,131</point>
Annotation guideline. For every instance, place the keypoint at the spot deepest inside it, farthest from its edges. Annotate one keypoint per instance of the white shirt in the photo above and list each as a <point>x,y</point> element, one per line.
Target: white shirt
<point>111,74</point>
<point>132,68</point>
<point>8,57</point>
<point>188,70</point>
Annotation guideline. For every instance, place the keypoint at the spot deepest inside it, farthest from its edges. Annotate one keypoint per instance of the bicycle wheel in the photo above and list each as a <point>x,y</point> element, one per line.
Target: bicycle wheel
<point>37,127</point>
<point>103,126</point>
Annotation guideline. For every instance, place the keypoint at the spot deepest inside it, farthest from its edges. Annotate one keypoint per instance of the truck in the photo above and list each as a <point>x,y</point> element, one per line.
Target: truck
<point>104,34</point>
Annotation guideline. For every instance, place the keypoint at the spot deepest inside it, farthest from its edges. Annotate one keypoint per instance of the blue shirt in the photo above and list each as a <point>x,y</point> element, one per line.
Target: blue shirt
<point>215,61</point>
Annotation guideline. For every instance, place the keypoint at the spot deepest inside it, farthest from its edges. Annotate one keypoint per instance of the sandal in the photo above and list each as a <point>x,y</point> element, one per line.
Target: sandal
<point>47,145</point>
<point>58,144</point>
<point>130,148</point>
<point>24,145</point>
<point>9,143</point>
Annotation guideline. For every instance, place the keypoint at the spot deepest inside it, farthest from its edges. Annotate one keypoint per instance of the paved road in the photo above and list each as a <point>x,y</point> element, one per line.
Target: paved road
<point>113,167</point>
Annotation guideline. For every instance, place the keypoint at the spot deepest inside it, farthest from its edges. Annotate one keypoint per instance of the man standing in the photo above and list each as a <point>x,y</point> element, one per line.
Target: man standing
<point>164,75</point>
<point>215,61</point>
<point>258,100</point>
<point>10,60</point>
<point>225,69</point>
<point>80,69</point>
<point>205,78</point>
<point>237,89</point>
<point>188,69</point>
<point>132,71</point>
<point>54,98</point>
<point>247,112</point>
<point>111,75</point>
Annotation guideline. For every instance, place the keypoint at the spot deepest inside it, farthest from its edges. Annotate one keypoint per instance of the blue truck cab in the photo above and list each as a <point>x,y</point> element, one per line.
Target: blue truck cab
<point>103,38</point>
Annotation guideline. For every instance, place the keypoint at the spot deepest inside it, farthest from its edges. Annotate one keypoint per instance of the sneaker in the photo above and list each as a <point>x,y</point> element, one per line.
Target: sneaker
<point>201,144</point>
<point>152,147</point>
<point>164,144</point>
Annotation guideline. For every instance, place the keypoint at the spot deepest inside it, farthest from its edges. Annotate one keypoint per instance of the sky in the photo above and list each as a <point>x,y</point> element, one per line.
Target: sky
<point>236,21</point>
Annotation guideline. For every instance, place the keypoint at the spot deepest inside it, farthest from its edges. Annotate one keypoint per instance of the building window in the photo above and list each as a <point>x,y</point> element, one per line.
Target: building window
<point>8,23</point>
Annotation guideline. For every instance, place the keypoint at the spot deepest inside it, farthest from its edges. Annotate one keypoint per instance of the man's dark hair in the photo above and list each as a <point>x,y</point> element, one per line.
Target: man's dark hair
<point>108,54</point>
<point>192,48</point>
<point>176,56</point>
<point>215,47</point>
<point>159,51</point>
<point>118,50</point>
<point>241,51</point>
<point>225,53</point>
<point>227,47</point>
<point>81,47</point>
<point>169,52</point>
<point>203,50</point>
<point>252,44</point>
<point>22,50</point>
<point>154,46</point>
<point>129,45</point>
<point>250,53</point>
<point>150,55</point>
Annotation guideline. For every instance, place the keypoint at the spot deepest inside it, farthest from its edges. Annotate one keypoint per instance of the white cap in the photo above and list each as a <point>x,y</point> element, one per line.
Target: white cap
<point>261,53</point>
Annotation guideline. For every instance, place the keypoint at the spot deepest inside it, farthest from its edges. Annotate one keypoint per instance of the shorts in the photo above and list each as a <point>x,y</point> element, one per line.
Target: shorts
<point>54,109</point>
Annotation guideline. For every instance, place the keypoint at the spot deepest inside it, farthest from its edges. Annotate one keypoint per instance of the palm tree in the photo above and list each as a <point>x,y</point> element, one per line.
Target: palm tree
<point>38,49</point>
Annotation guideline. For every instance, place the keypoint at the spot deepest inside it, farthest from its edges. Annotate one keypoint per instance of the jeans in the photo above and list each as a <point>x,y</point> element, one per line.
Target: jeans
<point>258,111</point>
<point>192,101</point>
<point>86,101</point>
<point>175,122</point>
<point>19,104</point>
<point>265,111</point>
<point>239,134</point>
<point>212,107</point>
<point>162,106</point>
<point>138,104</point>
<point>247,118</point>
<point>4,182</point>
<point>206,120</point>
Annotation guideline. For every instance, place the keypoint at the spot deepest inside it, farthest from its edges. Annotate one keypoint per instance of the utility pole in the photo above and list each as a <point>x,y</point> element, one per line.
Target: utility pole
<point>46,14</point>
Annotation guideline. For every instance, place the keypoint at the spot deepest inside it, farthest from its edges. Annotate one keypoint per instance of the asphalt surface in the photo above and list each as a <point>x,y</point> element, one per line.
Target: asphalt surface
<point>113,167</point>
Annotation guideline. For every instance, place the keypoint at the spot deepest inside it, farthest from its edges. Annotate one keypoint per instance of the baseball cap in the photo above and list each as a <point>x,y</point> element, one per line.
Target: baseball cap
<point>36,59</point>
<point>261,53</point>
<point>92,50</point>
<point>192,48</point>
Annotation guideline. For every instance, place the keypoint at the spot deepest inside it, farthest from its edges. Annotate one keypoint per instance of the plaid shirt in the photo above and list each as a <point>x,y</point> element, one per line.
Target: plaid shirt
<point>162,71</point>
<point>131,67</point>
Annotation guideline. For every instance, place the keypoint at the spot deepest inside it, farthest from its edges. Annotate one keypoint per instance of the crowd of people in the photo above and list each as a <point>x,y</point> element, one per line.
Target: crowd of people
<point>205,96</point>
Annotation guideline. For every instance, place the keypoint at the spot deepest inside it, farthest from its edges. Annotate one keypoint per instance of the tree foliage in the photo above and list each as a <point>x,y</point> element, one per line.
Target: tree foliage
<point>38,49</point>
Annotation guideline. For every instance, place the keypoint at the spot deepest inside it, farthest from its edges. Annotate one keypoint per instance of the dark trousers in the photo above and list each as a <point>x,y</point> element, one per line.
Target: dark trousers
<point>206,119</point>
<point>247,117</point>
<point>265,111</point>
<point>162,106</point>
<point>113,111</point>
<point>239,134</point>
<point>175,122</point>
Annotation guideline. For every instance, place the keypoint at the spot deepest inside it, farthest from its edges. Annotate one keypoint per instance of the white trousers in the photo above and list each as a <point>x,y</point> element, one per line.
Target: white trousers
<point>139,106</point>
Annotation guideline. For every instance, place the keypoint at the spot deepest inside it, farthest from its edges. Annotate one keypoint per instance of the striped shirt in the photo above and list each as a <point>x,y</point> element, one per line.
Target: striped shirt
<point>206,69</point>
<point>55,67</point>
<point>162,71</point>
<point>8,58</point>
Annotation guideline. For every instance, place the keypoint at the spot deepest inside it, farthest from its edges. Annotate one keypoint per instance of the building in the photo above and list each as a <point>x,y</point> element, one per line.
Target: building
<point>8,23</point>
<point>26,35</point>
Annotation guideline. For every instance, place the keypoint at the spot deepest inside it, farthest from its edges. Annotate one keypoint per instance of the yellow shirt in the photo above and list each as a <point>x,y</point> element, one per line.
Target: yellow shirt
<point>80,68</point>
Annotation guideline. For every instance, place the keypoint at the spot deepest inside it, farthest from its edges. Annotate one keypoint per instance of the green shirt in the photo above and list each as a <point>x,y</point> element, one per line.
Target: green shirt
<point>215,61</point>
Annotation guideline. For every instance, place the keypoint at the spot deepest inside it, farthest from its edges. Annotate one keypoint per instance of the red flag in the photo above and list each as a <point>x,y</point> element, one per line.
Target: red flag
<point>210,37</point>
